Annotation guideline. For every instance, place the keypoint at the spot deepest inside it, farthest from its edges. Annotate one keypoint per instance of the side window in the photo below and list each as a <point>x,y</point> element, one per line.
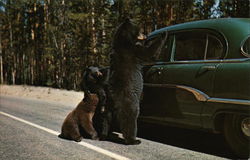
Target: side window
<point>189,46</point>
<point>214,48</point>
<point>165,52</point>
<point>196,45</point>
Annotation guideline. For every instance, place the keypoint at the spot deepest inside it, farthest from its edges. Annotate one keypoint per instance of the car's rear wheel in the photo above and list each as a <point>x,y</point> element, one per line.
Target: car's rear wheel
<point>237,134</point>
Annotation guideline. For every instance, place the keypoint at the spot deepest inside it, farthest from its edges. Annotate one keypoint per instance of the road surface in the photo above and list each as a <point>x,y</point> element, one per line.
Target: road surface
<point>29,129</point>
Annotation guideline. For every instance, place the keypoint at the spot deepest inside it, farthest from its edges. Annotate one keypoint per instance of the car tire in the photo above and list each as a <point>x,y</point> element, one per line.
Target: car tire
<point>236,139</point>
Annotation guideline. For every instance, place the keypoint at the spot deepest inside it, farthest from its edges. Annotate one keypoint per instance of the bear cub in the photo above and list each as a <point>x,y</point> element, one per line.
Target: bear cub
<point>79,121</point>
<point>95,80</point>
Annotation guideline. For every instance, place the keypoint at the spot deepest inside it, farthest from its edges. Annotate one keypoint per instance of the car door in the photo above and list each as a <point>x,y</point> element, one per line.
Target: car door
<point>176,88</point>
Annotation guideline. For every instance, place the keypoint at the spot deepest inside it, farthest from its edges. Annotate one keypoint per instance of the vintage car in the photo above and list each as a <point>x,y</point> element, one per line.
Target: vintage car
<point>200,79</point>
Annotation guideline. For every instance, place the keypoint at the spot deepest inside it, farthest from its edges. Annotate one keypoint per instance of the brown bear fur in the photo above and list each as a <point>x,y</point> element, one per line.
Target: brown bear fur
<point>80,119</point>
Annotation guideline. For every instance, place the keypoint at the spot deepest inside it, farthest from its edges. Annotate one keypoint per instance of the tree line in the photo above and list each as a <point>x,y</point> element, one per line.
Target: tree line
<point>50,42</point>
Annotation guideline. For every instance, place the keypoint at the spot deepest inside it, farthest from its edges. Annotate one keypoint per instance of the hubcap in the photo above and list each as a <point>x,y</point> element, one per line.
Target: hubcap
<point>245,126</point>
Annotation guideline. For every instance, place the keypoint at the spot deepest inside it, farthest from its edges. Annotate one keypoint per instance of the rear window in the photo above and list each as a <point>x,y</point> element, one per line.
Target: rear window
<point>214,48</point>
<point>190,46</point>
<point>246,47</point>
<point>197,45</point>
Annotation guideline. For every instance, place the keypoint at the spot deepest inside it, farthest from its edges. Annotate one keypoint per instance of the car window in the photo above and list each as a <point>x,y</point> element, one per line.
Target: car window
<point>214,48</point>
<point>189,46</point>
<point>165,51</point>
<point>246,47</point>
<point>196,45</point>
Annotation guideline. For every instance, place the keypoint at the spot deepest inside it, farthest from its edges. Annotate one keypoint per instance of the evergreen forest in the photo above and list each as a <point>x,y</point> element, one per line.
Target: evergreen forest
<point>51,42</point>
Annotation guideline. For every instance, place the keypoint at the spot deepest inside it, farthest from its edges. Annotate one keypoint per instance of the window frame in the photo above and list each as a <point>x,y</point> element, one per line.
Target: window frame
<point>168,42</point>
<point>220,37</point>
<point>242,48</point>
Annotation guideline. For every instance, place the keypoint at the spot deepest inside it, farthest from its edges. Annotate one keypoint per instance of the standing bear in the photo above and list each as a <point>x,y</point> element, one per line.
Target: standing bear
<point>79,122</point>
<point>126,78</point>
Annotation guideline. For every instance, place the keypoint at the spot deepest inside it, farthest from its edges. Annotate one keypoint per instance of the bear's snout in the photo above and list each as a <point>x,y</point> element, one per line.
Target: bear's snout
<point>98,74</point>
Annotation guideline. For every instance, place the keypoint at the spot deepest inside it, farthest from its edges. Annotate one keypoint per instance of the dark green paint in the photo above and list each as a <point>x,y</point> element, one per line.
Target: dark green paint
<point>227,78</point>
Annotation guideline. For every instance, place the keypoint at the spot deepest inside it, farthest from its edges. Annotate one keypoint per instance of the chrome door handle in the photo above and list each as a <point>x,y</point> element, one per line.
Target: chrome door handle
<point>204,69</point>
<point>208,68</point>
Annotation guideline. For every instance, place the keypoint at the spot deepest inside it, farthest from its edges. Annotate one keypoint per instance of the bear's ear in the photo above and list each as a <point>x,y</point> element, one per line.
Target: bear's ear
<point>86,95</point>
<point>127,20</point>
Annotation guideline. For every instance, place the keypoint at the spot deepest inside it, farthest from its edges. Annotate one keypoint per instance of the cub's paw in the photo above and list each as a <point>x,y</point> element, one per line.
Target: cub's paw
<point>95,138</point>
<point>102,137</point>
<point>79,139</point>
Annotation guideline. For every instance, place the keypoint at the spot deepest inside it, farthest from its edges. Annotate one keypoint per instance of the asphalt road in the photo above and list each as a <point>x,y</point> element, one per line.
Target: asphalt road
<point>29,129</point>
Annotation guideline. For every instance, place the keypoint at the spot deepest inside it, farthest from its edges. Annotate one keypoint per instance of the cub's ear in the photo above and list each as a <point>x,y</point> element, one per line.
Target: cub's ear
<point>106,73</point>
<point>86,72</point>
<point>86,94</point>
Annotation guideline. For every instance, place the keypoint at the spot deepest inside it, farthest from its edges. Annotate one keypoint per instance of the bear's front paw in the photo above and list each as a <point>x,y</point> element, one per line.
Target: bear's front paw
<point>95,138</point>
<point>132,142</point>
<point>102,137</point>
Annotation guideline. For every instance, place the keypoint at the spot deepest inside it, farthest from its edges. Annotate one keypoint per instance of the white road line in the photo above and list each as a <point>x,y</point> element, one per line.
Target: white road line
<point>90,146</point>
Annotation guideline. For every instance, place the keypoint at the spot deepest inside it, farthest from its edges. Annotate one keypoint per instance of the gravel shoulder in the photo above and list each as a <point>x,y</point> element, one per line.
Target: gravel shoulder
<point>42,93</point>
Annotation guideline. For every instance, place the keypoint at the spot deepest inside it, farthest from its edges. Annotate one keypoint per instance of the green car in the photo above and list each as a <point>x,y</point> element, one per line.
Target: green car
<point>200,79</point>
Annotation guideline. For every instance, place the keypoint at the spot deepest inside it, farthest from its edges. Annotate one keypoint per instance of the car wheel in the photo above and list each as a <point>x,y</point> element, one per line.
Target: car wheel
<point>237,134</point>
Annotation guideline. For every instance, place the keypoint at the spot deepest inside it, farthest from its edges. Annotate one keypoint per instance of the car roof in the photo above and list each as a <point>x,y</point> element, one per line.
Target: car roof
<point>223,25</point>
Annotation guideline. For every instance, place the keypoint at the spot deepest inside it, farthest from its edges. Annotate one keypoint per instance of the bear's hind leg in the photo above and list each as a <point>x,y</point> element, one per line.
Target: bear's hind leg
<point>75,134</point>
<point>91,131</point>
<point>87,125</point>
<point>130,132</point>
<point>128,124</point>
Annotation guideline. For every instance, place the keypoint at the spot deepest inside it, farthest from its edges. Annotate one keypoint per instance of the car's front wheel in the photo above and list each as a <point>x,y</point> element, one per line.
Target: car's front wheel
<point>237,134</point>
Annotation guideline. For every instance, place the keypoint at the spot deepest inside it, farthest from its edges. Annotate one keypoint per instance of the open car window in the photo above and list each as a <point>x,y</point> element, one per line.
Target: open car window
<point>165,50</point>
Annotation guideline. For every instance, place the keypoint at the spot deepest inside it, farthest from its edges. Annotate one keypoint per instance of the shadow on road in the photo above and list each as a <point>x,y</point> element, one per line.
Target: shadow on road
<point>213,144</point>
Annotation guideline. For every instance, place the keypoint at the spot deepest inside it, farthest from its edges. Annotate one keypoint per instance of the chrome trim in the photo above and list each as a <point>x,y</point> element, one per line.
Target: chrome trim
<point>235,60</point>
<point>241,47</point>
<point>245,126</point>
<point>205,54</point>
<point>230,101</point>
<point>201,96</point>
